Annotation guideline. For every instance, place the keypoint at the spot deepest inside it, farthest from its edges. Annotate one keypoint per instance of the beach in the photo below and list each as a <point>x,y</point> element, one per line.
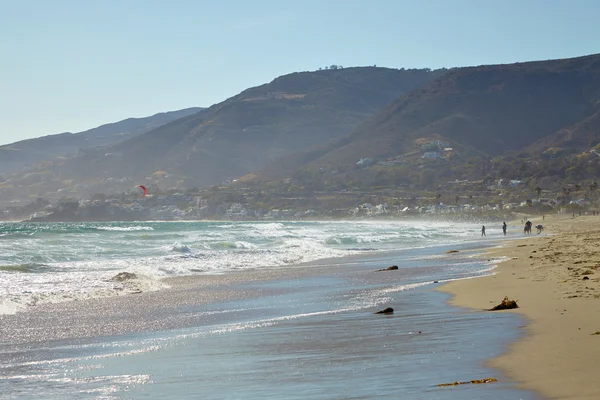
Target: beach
<point>555,278</point>
<point>297,330</point>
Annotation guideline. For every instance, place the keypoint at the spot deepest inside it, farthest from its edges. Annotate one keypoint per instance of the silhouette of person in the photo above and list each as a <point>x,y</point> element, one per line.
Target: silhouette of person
<point>482,230</point>
<point>504,228</point>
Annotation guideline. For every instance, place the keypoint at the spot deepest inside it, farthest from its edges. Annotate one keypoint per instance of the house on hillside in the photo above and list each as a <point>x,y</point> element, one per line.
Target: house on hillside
<point>200,202</point>
<point>273,214</point>
<point>546,201</point>
<point>514,183</point>
<point>434,145</point>
<point>431,155</point>
<point>166,213</point>
<point>236,211</point>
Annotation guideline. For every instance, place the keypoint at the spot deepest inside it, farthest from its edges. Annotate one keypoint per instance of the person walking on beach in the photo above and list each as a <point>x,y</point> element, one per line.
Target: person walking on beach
<point>504,228</point>
<point>482,230</point>
<point>527,229</point>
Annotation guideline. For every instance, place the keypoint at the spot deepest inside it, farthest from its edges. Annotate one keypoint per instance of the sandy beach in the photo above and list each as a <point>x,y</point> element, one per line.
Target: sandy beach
<point>555,278</point>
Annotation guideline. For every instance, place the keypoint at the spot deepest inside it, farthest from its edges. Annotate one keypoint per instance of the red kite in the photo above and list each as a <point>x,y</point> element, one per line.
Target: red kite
<point>143,188</point>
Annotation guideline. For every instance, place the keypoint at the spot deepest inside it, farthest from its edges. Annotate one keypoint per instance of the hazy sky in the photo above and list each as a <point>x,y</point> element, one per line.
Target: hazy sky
<point>73,65</point>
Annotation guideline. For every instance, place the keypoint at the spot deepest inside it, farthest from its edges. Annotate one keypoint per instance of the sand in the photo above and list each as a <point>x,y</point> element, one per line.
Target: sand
<point>559,354</point>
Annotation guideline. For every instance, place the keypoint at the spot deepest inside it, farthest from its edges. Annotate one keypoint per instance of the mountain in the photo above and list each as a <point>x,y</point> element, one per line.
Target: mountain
<point>580,136</point>
<point>482,112</point>
<point>251,129</point>
<point>25,153</point>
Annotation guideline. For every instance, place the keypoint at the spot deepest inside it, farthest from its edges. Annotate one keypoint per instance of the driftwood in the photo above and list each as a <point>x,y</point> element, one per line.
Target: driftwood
<point>475,382</point>
<point>506,304</point>
<point>392,268</point>
<point>388,310</point>
<point>451,251</point>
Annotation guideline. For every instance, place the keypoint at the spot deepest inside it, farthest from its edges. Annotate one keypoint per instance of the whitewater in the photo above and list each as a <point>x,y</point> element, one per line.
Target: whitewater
<point>57,262</point>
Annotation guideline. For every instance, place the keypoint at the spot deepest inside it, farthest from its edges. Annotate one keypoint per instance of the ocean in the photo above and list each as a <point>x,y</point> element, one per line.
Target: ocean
<point>244,310</point>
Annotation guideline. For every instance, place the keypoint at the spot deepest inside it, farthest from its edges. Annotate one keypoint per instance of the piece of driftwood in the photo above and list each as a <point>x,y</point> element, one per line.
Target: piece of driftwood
<point>388,310</point>
<point>392,268</point>
<point>506,304</point>
<point>474,382</point>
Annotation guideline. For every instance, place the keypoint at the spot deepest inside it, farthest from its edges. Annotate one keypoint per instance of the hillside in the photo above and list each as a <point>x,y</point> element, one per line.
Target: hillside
<point>580,136</point>
<point>470,114</point>
<point>25,153</point>
<point>251,129</point>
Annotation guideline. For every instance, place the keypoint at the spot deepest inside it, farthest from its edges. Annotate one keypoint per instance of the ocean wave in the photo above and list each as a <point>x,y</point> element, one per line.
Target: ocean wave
<point>9,307</point>
<point>180,248</point>
<point>375,237</point>
<point>232,245</point>
<point>354,239</point>
<point>13,235</point>
<point>123,228</point>
<point>80,286</point>
<point>72,258</point>
<point>153,236</point>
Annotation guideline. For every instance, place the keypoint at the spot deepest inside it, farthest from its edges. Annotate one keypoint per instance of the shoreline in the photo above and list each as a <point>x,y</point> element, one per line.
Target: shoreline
<point>556,356</point>
<point>130,336</point>
<point>195,305</point>
<point>108,315</point>
<point>149,311</point>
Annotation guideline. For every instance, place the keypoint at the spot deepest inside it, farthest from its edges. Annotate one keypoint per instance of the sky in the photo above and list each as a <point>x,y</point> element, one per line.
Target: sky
<point>68,66</point>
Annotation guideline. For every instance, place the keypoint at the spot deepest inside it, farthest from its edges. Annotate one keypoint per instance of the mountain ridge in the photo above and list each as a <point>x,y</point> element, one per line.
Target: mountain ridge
<point>24,153</point>
<point>485,111</point>
<point>260,124</point>
<point>359,127</point>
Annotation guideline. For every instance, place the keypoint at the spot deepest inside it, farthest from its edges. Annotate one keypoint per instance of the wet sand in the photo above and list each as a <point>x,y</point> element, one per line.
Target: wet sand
<point>558,355</point>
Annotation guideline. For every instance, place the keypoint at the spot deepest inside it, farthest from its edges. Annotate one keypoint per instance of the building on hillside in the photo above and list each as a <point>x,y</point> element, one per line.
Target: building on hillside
<point>546,201</point>
<point>273,214</point>
<point>434,145</point>
<point>167,213</point>
<point>431,155</point>
<point>236,211</point>
<point>200,202</point>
